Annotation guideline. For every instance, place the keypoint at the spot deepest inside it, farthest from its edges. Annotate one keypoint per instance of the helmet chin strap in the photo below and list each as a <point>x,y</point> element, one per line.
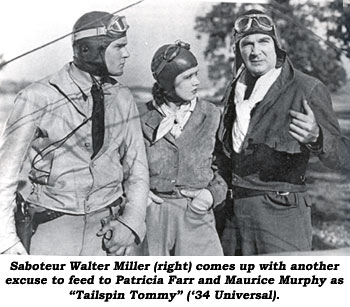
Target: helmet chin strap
<point>92,68</point>
<point>96,66</point>
<point>104,71</point>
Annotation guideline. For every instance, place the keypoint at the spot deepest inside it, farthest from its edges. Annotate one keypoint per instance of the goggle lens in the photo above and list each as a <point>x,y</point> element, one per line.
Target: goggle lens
<point>173,50</point>
<point>263,20</point>
<point>244,23</point>
<point>117,25</point>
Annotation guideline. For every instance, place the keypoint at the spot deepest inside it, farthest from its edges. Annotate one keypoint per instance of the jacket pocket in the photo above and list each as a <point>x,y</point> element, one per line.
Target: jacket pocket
<point>205,163</point>
<point>282,201</point>
<point>307,200</point>
<point>196,217</point>
<point>154,169</point>
<point>196,212</point>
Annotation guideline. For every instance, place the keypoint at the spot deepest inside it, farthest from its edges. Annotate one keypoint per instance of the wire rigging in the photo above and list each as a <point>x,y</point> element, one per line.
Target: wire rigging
<point>62,37</point>
<point>277,9</point>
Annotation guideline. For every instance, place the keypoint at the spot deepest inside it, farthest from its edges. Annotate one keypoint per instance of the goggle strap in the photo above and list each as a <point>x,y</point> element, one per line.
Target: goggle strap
<point>178,45</point>
<point>160,67</point>
<point>120,20</point>
<point>89,33</point>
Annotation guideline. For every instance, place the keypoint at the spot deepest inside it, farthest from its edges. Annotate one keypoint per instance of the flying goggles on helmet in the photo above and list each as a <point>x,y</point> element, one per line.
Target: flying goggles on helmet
<point>244,23</point>
<point>115,26</point>
<point>170,54</point>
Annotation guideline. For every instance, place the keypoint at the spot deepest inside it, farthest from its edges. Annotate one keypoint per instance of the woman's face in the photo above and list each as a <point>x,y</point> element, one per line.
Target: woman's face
<point>186,84</point>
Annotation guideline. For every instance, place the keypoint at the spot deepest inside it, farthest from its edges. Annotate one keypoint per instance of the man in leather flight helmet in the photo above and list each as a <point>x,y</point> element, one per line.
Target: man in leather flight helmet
<point>81,132</point>
<point>275,117</point>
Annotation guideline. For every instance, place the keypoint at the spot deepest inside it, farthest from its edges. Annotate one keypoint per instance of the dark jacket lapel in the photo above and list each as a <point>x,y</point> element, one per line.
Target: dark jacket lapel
<point>271,97</point>
<point>152,119</point>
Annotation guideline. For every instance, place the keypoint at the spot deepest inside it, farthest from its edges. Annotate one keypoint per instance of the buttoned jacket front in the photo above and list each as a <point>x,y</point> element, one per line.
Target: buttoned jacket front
<point>63,175</point>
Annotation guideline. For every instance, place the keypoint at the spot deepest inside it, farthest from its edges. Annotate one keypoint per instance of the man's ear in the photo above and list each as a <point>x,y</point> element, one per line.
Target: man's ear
<point>84,48</point>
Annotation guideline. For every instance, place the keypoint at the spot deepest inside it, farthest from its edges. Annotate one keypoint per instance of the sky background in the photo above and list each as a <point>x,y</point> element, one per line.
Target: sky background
<point>26,24</point>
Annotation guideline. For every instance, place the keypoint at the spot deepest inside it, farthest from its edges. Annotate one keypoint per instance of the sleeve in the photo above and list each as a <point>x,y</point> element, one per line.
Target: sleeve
<point>343,148</point>
<point>218,185</point>
<point>14,144</point>
<point>331,151</point>
<point>136,181</point>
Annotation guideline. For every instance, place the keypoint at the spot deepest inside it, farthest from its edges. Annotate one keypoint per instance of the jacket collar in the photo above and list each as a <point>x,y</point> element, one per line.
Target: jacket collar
<point>73,81</point>
<point>152,119</point>
<point>76,85</point>
<point>281,84</point>
<point>278,87</point>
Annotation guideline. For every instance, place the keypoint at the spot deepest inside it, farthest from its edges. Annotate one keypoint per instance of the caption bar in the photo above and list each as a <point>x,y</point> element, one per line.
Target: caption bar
<point>179,281</point>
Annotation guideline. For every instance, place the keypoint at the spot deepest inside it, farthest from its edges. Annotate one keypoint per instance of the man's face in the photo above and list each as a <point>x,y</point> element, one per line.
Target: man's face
<point>258,53</point>
<point>115,56</point>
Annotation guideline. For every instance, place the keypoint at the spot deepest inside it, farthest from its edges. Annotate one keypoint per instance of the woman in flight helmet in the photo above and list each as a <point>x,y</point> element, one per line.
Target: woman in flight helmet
<point>179,131</point>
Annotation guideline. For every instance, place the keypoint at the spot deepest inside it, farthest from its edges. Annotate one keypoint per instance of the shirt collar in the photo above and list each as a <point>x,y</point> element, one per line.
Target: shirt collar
<point>165,110</point>
<point>84,81</point>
